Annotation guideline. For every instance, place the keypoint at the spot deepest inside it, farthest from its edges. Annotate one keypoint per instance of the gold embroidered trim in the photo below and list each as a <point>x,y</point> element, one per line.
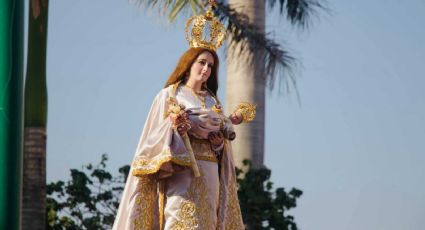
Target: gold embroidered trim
<point>195,140</point>
<point>232,213</point>
<point>174,88</point>
<point>142,165</point>
<point>207,158</point>
<point>161,203</point>
<point>233,217</point>
<point>145,201</point>
<point>202,149</point>
<point>198,192</point>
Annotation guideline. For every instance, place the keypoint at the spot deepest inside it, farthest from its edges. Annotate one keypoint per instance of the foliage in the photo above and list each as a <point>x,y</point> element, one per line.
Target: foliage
<point>90,199</point>
<point>261,207</point>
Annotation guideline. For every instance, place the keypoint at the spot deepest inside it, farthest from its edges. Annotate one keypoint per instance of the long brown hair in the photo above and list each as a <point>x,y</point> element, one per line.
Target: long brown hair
<point>186,61</point>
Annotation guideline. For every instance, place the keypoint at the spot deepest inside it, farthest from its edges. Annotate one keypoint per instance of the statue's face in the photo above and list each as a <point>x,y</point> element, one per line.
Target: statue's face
<point>201,68</point>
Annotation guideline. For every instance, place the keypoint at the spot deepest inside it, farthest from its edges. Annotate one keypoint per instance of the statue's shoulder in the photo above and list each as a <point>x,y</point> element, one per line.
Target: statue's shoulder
<point>171,90</point>
<point>164,93</point>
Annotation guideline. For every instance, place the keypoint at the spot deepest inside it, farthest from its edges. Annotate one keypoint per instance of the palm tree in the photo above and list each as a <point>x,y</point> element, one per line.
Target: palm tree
<point>35,120</point>
<point>254,61</point>
<point>11,79</point>
<point>255,67</point>
<point>247,66</point>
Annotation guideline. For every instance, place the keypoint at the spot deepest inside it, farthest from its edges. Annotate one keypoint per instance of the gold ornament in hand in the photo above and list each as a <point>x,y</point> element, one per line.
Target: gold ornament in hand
<point>248,111</point>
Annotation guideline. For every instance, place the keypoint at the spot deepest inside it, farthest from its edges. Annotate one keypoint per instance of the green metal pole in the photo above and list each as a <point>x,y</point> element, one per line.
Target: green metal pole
<point>11,88</point>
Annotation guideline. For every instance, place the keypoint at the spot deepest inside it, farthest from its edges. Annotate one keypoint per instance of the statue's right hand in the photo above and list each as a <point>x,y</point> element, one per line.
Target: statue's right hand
<point>182,129</point>
<point>178,119</point>
<point>180,122</point>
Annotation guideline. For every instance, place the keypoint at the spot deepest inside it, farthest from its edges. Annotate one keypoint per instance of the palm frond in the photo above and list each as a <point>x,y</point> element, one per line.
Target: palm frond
<point>299,12</point>
<point>178,6</point>
<point>278,62</point>
<point>171,8</point>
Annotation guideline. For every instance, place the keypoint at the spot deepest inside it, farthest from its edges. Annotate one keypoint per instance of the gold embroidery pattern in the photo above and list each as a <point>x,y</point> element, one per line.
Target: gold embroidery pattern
<point>145,201</point>
<point>229,202</point>
<point>142,165</point>
<point>195,212</point>
<point>200,145</point>
<point>187,217</point>
<point>199,193</point>
<point>207,158</point>
<point>202,150</point>
<point>233,217</point>
<point>161,189</point>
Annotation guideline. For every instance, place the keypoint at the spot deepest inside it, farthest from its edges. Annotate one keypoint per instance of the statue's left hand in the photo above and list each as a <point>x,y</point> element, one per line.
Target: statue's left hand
<point>216,138</point>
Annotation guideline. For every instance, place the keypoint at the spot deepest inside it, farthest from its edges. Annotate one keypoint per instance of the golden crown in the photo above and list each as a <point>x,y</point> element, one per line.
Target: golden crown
<point>205,30</point>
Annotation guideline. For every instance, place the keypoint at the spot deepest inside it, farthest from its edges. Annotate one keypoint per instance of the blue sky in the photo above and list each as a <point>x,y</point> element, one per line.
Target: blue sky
<point>355,144</point>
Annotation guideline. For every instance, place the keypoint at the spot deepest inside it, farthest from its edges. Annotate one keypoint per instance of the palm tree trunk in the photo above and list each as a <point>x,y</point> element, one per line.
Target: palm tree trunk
<point>34,179</point>
<point>246,82</point>
<point>11,79</point>
<point>34,164</point>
